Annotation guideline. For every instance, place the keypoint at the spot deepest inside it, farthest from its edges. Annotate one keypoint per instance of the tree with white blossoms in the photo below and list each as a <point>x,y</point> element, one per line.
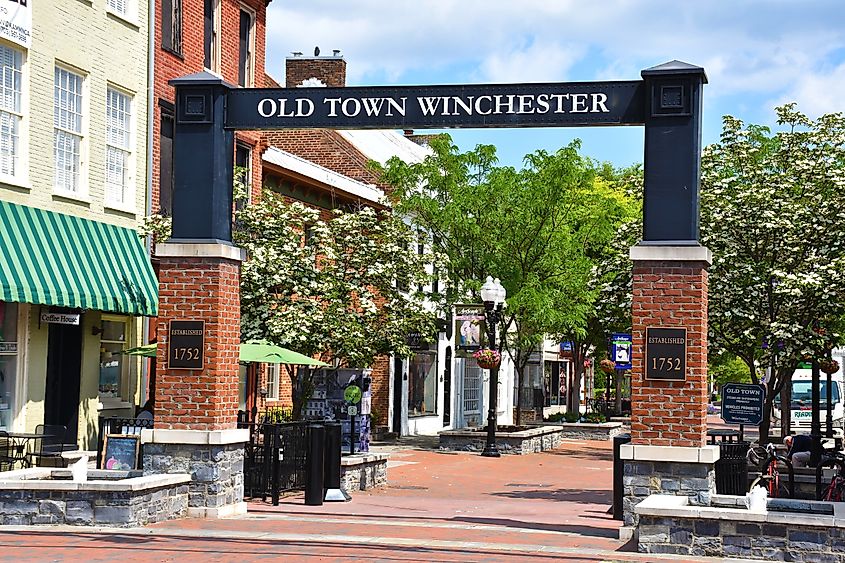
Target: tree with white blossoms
<point>773,214</point>
<point>328,288</point>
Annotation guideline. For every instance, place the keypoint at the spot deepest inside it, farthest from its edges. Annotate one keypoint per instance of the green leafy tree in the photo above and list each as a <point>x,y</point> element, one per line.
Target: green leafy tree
<point>328,288</point>
<point>531,228</point>
<point>773,214</point>
<point>610,280</point>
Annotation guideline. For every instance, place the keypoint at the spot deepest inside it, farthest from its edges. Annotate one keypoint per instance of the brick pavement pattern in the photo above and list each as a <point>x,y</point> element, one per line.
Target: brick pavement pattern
<point>438,507</point>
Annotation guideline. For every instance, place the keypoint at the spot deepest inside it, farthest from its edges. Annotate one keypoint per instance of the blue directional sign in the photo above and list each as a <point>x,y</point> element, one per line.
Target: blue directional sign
<point>620,350</point>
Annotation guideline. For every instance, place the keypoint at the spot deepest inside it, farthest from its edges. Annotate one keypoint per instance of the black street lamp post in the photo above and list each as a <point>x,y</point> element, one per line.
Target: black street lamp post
<point>493,295</point>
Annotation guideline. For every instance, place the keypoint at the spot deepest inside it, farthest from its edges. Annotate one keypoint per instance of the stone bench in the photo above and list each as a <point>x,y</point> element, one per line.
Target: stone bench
<point>360,472</point>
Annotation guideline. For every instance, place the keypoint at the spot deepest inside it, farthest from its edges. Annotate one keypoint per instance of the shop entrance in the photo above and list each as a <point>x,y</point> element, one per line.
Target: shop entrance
<point>64,366</point>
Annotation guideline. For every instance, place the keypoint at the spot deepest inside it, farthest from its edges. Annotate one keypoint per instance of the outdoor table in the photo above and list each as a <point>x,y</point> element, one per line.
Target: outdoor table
<point>19,445</point>
<point>726,435</point>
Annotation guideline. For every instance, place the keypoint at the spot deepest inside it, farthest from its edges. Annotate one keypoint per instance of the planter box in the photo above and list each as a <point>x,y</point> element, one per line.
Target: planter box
<point>109,498</point>
<point>588,430</point>
<point>528,441</point>
<point>788,530</point>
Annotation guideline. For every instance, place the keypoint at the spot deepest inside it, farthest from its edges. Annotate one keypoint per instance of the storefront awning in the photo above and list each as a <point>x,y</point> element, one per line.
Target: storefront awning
<point>48,258</point>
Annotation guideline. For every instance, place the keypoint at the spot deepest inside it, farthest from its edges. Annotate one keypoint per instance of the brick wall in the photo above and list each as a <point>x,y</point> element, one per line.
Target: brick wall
<point>670,413</point>
<point>200,289</point>
<point>331,71</point>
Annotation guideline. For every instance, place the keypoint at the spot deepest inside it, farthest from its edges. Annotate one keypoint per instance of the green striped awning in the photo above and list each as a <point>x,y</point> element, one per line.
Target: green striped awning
<point>49,258</point>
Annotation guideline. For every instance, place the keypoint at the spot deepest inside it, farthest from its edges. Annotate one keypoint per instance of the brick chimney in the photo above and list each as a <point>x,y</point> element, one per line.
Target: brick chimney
<point>329,70</point>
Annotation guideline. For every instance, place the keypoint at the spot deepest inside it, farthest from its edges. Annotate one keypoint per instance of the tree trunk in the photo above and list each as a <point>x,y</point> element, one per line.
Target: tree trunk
<point>786,411</point>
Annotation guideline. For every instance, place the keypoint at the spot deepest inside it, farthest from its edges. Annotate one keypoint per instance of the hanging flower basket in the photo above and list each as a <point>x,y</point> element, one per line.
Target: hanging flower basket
<point>828,366</point>
<point>607,366</point>
<point>487,358</point>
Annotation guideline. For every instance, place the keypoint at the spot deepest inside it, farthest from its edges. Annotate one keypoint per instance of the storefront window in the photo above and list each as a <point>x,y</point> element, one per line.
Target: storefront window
<point>422,384</point>
<point>112,362</point>
<point>8,361</point>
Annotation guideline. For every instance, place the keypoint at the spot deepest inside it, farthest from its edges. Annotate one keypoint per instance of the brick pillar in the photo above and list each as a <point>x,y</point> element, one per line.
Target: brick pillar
<point>670,295</point>
<point>206,289</point>
<point>668,453</point>
<point>196,409</point>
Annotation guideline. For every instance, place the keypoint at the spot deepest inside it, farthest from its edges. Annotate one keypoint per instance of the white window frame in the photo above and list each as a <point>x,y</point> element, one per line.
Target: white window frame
<point>215,38</point>
<point>17,115</point>
<point>127,202</point>
<point>250,70</point>
<point>126,10</point>
<point>273,376</point>
<point>81,188</point>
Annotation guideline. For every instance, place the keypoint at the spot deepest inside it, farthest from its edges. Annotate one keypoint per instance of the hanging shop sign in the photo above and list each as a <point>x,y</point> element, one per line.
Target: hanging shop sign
<point>16,21</point>
<point>620,350</point>
<point>469,326</point>
<point>185,344</point>
<point>742,403</point>
<point>665,353</point>
<point>60,318</point>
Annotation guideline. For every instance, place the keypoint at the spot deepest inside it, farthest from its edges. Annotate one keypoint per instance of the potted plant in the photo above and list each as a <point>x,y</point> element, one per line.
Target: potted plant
<point>828,366</point>
<point>487,358</point>
<point>607,366</point>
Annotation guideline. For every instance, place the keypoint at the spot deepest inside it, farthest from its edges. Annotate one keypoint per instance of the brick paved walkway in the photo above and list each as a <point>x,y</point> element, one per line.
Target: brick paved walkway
<point>438,507</point>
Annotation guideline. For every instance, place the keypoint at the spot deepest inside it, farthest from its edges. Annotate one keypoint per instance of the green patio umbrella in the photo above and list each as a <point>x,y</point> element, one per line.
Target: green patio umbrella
<point>147,351</point>
<point>251,352</point>
<point>260,351</point>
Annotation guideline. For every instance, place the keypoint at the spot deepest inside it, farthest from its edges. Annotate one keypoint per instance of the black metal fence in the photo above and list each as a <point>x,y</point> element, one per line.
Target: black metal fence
<point>132,426</point>
<point>275,459</point>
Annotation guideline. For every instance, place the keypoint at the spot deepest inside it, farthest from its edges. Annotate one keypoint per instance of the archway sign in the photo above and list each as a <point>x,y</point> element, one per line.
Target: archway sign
<point>670,267</point>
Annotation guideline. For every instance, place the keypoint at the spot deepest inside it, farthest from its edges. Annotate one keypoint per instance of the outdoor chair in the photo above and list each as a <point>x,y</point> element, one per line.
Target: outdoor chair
<point>7,460</point>
<point>47,450</point>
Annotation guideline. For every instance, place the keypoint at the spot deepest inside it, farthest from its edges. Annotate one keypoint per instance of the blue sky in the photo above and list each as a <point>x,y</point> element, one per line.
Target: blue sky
<point>757,54</point>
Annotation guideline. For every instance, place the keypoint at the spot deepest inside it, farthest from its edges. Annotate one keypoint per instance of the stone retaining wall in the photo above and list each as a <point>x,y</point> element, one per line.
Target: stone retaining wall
<point>123,503</point>
<point>640,479</point>
<point>671,526</point>
<point>529,441</point>
<point>217,471</point>
<point>361,472</point>
<point>588,430</point>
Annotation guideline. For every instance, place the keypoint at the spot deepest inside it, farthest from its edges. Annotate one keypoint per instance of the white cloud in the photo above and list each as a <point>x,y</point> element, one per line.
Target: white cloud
<point>539,62</point>
<point>819,93</point>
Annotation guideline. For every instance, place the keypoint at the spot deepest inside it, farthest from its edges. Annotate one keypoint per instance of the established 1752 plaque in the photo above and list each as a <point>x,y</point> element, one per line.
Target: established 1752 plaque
<point>665,353</point>
<point>185,344</point>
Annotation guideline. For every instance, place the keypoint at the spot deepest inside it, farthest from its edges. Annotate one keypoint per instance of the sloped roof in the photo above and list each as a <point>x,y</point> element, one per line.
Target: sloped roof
<point>381,145</point>
<point>309,169</point>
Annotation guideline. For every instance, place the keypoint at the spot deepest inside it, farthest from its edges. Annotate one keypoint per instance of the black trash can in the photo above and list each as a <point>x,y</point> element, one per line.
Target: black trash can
<point>732,468</point>
<point>618,472</point>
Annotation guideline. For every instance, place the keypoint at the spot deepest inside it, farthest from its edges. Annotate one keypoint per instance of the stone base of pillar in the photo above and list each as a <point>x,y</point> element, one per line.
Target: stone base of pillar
<point>213,458</point>
<point>680,471</point>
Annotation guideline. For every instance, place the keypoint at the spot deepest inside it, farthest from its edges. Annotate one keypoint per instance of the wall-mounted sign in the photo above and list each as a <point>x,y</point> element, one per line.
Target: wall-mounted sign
<point>742,403</point>
<point>185,344</point>
<point>665,353</point>
<point>467,105</point>
<point>417,341</point>
<point>16,21</point>
<point>469,326</point>
<point>620,350</point>
<point>8,347</point>
<point>60,318</point>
